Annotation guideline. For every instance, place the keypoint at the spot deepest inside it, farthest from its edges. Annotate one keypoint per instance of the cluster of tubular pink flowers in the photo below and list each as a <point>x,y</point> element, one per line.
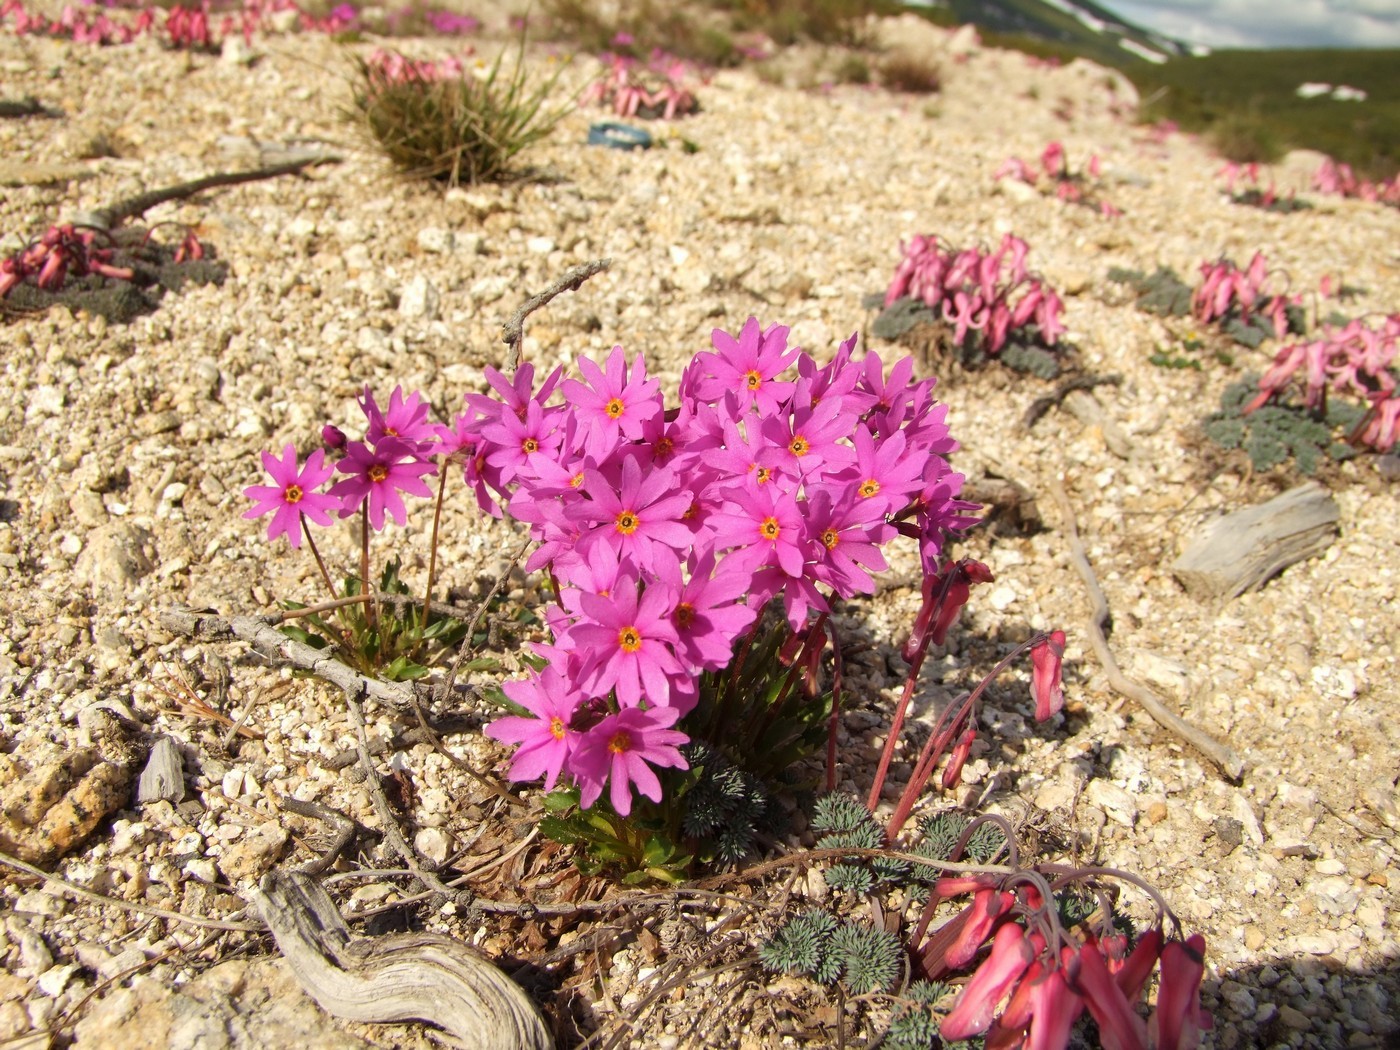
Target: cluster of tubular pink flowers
<point>1039,978</point>
<point>1340,180</point>
<point>390,67</point>
<point>972,289</point>
<point>1355,359</point>
<point>61,252</point>
<point>184,27</point>
<point>1226,290</point>
<point>1069,185</point>
<point>667,531</point>
<point>658,89</point>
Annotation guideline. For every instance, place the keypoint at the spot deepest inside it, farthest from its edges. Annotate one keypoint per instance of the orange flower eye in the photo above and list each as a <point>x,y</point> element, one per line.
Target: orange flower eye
<point>665,446</point>
<point>769,529</point>
<point>868,488</point>
<point>630,639</point>
<point>576,480</point>
<point>529,445</point>
<point>292,494</point>
<point>556,728</point>
<point>620,743</point>
<point>614,408</point>
<point>764,474</point>
<point>627,523</point>
<point>830,538</point>
<point>799,446</point>
<point>378,473</point>
<point>753,380</point>
<point>684,614</point>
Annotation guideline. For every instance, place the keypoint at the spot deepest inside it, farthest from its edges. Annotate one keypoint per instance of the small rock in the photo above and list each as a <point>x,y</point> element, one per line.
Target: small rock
<point>1156,812</point>
<point>116,557</point>
<point>419,300</point>
<point>53,980</point>
<point>52,798</point>
<point>1113,800</point>
<point>164,775</point>
<point>540,245</point>
<point>236,52</point>
<point>434,844</point>
<point>232,783</point>
<point>37,902</point>
<point>1253,938</point>
<point>34,955</point>
<point>203,869</point>
<point>255,853</point>
<point>1294,1018</point>
<point>1330,866</point>
<point>436,240</point>
<point>1002,598</point>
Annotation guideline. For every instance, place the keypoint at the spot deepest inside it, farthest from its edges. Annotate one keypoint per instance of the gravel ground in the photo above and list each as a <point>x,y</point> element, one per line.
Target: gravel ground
<point>124,450</point>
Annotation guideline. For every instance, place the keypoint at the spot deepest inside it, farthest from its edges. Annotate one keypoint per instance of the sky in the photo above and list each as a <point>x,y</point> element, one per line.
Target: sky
<point>1269,23</point>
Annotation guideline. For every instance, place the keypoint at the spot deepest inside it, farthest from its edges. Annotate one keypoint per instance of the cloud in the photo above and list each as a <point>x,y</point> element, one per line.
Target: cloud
<point>1270,23</point>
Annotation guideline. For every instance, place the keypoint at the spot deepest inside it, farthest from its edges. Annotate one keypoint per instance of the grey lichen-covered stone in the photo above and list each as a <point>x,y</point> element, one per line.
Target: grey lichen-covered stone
<point>164,775</point>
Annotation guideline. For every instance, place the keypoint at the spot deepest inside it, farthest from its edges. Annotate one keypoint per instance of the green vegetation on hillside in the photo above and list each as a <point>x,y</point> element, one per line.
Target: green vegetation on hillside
<point>1247,102</point>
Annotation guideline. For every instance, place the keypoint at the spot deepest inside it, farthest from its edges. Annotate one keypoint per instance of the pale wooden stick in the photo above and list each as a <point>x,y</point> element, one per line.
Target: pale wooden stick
<point>1222,755</point>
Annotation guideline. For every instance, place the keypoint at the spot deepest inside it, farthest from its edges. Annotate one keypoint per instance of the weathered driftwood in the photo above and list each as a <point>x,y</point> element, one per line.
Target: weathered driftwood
<point>399,977</point>
<point>164,775</point>
<point>1241,551</point>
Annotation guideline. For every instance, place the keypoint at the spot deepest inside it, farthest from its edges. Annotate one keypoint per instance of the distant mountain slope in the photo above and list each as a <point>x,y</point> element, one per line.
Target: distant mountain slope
<point>1085,27</point>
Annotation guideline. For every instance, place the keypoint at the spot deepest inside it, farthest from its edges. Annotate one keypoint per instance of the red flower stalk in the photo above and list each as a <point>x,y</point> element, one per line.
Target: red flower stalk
<point>1045,679</point>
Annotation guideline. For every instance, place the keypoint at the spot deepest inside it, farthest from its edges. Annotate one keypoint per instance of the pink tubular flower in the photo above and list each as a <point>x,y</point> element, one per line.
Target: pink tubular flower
<point>973,1012</point>
<point>292,494</point>
<point>1119,1027</point>
<point>1178,1020</point>
<point>378,475</point>
<point>621,749</point>
<point>1045,680</point>
<point>546,740</point>
<point>987,907</point>
<point>630,643</point>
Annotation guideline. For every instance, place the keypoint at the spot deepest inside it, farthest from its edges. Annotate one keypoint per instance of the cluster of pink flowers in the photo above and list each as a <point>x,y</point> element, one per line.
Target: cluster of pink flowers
<point>76,25</point>
<point>62,251</point>
<point>185,27</point>
<point>667,532</point>
<point>1227,290</point>
<point>390,67</point>
<point>1340,180</point>
<point>73,251</point>
<point>970,290</point>
<point>1243,184</point>
<point>657,90</point>
<point>1069,185</point>
<point>1039,979</point>
<point>1355,359</point>
<point>398,450</point>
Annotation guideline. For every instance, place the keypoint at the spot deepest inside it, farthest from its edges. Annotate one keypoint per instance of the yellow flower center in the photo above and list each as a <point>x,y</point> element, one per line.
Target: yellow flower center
<point>630,639</point>
<point>614,408</point>
<point>753,380</point>
<point>684,614</point>
<point>556,727</point>
<point>763,475</point>
<point>799,446</point>
<point>830,538</point>
<point>378,473</point>
<point>292,493</point>
<point>665,446</point>
<point>868,488</point>
<point>627,523</point>
<point>576,480</point>
<point>769,529</point>
<point>620,743</point>
<point>529,445</point>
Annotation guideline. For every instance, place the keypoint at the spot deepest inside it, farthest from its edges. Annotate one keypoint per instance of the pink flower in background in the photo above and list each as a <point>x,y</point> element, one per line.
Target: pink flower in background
<point>406,418</point>
<point>292,494</point>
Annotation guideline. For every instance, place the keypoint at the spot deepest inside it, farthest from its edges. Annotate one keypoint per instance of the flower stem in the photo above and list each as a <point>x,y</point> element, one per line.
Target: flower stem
<point>372,609</point>
<point>320,563</point>
<point>433,544</point>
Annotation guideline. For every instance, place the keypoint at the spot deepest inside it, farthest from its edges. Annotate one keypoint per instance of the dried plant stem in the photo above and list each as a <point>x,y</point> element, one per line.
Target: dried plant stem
<point>132,906</point>
<point>1222,755</point>
<point>131,207</point>
<point>513,332</point>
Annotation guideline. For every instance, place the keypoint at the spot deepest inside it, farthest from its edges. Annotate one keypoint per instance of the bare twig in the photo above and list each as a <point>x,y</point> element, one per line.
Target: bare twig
<point>131,207</point>
<point>132,906</point>
<point>343,825</point>
<point>513,332</point>
<point>1041,405</point>
<point>1222,755</point>
<point>449,680</point>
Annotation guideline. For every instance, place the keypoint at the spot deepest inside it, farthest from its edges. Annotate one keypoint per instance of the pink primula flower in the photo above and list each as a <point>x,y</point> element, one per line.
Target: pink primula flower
<point>621,749</point>
<point>377,475</point>
<point>292,494</point>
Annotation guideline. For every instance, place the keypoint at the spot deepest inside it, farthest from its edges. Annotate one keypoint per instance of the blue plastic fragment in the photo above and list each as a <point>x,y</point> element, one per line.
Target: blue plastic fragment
<point>619,136</point>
